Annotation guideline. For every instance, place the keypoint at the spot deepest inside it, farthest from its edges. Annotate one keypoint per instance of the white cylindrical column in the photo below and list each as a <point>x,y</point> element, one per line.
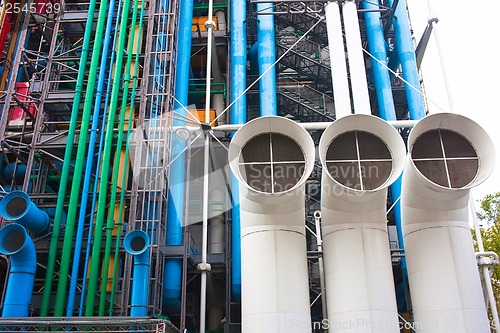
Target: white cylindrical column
<point>272,157</point>
<point>341,95</point>
<point>216,228</point>
<point>357,71</point>
<point>448,155</point>
<point>361,156</point>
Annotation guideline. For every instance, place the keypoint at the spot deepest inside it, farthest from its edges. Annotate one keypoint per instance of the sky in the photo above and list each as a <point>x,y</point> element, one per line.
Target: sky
<point>467,34</point>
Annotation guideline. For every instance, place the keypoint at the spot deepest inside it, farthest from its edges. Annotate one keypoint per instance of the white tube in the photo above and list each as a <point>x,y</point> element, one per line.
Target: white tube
<point>449,154</point>
<point>341,96</point>
<point>358,272</point>
<point>216,223</point>
<point>357,71</point>
<point>275,287</point>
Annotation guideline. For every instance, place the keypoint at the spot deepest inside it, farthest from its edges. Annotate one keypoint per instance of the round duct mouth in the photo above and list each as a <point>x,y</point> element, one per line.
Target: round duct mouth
<point>362,153</point>
<point>359,160</point>
<point>271,155</point>
<point>445,158</point>
<point>136,242</point>
<point>451,151</point>
<point>12,238</point>
<point>14,205</point>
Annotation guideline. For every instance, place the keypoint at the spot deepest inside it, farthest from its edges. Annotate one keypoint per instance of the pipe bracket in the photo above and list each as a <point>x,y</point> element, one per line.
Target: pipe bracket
<point>204,267</point>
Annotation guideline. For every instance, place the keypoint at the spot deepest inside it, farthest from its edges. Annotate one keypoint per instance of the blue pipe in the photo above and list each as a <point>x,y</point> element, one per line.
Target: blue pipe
<point>15,241</point>
<point>18,207</point>
<point>137,244</point>
<point>15,171</point>
<point>267,57</point>
<point>406,53</point>
<point>376,46</point>
<point>238,62</point>
<point>98,164</point>
<point>253,55</point>
<point>176,193</point>
<point>90,160</point>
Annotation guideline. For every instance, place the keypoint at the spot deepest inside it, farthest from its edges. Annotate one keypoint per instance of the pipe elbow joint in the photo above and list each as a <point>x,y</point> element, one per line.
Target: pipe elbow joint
<point>18,207</point>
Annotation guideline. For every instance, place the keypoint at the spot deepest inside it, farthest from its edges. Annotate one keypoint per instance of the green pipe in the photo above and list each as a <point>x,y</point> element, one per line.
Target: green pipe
<point>110,225</point>
<point>106,157</point>
<point>124,176</point>
<point>67,249</point>
<point>54,239</point>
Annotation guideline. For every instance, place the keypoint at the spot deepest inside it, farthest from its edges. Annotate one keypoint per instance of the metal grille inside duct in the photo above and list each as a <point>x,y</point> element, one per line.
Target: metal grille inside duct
<point>359,160</point>
<point>445,158</point>
<point>271,163</point>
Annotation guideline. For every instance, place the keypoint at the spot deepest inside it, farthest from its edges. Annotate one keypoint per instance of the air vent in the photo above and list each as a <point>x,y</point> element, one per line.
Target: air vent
<point>359,160</point>
<point>272,163</point>
<point>445,158</point>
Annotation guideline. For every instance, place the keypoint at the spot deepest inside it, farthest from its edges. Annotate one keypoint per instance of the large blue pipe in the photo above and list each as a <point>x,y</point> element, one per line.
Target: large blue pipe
<point>176,194</point>
<point>137,244</point>
<point>267,57</point>
<point>406,53</point>
<point>89,162</point>
<point>15,241</point>
<point>376,45</point>
<point>238,62</point>
<point>15,171</point>
<point>18,207</point>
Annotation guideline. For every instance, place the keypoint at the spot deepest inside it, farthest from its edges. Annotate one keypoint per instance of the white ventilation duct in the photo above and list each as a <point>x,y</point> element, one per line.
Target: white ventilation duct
<point>342,99</point>
<point>357,71</point>
<point>272,157</point>
<point>361,156</point>
<point>448,155</point>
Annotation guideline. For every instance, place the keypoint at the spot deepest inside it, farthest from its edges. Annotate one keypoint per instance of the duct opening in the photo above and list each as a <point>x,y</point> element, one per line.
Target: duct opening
<point>16,206</point>
<point>359,160</point>
<point>137,244</point>
<point>14,240</point>
<point>272,163</point>
<point>445,158</point>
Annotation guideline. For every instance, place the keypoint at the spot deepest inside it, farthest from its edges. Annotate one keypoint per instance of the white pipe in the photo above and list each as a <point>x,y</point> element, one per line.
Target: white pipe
<point>274,281</point>
<point>315,126</point>
<point>341,96</point>
<point>357,71</point>
<point>442,269</point>
<point>358,271</point>
<point>487,286</point>
<point>204,266</point>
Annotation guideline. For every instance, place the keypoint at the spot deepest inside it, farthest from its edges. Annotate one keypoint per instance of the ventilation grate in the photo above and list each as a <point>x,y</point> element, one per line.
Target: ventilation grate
<point>359,160</point>
<point>445,158</point>
<point>271,163</point>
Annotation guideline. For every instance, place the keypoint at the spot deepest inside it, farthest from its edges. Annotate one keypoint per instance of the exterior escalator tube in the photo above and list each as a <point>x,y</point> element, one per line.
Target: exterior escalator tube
<point>272,157</point>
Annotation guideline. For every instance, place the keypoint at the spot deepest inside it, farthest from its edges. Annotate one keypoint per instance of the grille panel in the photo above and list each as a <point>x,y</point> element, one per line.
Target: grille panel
<point>359,160</point>
<point>272,163</point>
<point>445,158</point>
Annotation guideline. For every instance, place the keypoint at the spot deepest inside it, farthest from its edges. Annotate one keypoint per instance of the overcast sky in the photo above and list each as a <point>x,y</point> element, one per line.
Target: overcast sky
<point>468,34</point>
